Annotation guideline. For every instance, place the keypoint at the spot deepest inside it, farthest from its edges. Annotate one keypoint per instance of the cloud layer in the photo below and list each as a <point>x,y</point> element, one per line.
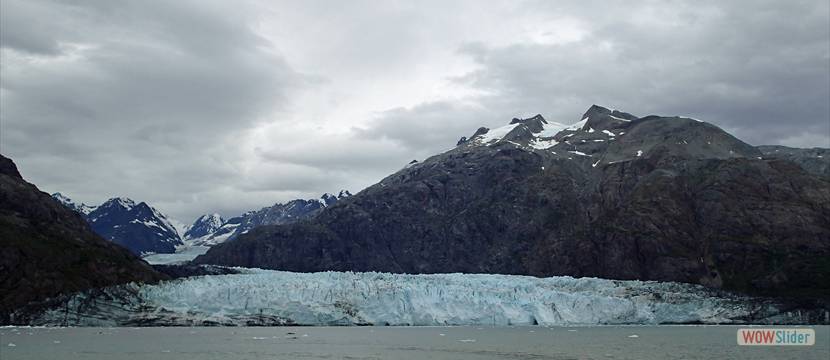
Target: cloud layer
<point>201,106</point>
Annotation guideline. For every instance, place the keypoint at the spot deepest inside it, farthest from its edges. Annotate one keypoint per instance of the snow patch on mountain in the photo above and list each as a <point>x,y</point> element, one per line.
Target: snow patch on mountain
<point>496,134</point>
<point>578,125</point>
<point>81,208</point>
<point>204,225</point>
<point>543,144</point>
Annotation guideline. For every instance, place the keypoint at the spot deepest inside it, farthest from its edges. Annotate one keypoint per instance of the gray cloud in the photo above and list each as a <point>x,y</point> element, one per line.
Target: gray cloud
<point>135,98</point>
<point>749,68</point>
<point>424,127</point>
<point>199,106</point>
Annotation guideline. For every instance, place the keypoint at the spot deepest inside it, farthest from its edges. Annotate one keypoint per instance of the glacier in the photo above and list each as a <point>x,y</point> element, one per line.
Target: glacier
<point>183,254</point>
<point>266,297</point>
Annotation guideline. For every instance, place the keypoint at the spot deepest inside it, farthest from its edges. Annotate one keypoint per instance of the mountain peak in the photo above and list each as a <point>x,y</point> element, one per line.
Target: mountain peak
<point>329,198</point>
<point>538,118</point>
<point>204,225</point>
<point>602,118</point>
<point>138,227</point>
<point>604,136</point>
<point>123,202</point>
<point>596,110</point>
<point>62,198</point>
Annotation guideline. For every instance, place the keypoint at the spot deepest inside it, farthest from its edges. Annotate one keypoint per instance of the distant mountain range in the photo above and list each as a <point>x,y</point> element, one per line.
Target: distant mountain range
<point>211,229</point>
<point>138,227</point>
<point>145,230</point>
<point>613,195</point>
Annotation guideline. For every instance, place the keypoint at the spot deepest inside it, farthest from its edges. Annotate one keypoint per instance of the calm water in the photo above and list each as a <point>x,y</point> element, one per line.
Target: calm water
<point>611,342</point>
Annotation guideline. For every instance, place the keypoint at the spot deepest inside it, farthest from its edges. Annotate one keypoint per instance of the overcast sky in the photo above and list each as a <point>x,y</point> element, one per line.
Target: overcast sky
<point>209,106</point>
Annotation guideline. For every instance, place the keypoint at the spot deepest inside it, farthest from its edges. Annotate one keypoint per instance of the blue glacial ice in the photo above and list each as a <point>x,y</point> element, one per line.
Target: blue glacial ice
<point>266,297</point>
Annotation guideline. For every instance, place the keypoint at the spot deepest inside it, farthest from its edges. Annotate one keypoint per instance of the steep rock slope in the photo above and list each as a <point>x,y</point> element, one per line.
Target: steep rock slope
<point>47,249</point>
<point>613,196</point>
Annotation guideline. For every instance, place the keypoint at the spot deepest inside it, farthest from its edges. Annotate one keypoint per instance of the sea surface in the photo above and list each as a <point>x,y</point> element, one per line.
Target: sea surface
<point>531,342</point>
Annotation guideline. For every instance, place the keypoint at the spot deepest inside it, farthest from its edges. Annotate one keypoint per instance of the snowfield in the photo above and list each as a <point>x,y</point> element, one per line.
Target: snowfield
<point>265,297</point>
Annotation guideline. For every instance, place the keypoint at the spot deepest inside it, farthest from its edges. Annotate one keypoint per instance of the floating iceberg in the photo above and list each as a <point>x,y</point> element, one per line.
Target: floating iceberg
<point>265,297</point>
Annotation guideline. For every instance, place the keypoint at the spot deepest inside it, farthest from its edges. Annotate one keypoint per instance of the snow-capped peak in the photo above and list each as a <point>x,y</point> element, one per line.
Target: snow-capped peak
<point>539,131</point>
<point>69,203</point>
<point>63,199</point>
<point>123,202</point>
<point>204,225</point>
<point>326,199</point>
<point>214,219</point>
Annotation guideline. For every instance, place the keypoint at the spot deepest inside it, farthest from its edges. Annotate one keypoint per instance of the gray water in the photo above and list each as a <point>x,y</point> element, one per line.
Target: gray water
<point>606,342</point>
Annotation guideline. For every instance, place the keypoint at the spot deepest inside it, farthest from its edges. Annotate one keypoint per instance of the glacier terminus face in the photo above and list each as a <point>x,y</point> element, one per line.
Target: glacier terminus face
<point>265,297</point>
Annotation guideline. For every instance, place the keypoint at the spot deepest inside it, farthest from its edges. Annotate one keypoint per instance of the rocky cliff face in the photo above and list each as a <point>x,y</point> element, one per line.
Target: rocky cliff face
<point>47,249</point>
<point>613,196</point>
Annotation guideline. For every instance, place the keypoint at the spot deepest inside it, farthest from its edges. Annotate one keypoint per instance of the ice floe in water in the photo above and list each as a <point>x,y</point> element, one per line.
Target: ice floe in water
<point>265,297</point>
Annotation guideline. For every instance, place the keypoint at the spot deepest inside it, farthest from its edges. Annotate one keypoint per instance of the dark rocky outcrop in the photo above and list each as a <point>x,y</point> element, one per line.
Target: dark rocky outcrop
<point>613,196</point>
<point>47,249</point>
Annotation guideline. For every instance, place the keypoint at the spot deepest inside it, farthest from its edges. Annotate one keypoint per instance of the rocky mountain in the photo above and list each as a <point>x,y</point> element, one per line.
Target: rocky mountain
<point>205,225</point>
<point>47,249</point>
<point>815,160</point>
<point>613,196</point>
<point>278,214</point>
<point>138,227</point>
